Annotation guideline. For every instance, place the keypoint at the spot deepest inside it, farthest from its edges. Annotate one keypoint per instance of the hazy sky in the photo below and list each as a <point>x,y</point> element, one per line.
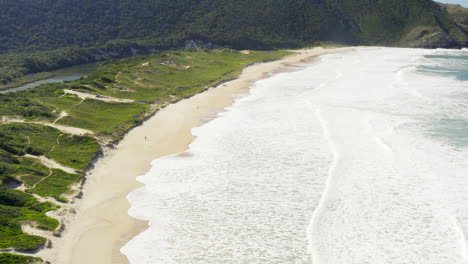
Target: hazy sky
<point>461,2</point>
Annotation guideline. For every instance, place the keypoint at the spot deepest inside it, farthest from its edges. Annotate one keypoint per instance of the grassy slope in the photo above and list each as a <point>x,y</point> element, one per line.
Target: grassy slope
<point>17,139</point>
<point>175,73</point>
<point>17,207</point>
<point>458,13</point>
<point>151,81</point>
<point>37,39</point>
<point>72,151</point>
<point>96,115</point>
<point>163,77</point>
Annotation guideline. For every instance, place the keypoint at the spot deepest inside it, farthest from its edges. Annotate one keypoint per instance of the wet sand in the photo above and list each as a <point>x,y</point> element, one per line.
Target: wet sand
<point>101,225</point>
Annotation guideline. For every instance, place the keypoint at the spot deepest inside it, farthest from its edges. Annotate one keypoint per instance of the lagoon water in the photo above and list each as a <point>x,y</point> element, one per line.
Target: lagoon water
<point>360,158</point>
<point>61,75</point>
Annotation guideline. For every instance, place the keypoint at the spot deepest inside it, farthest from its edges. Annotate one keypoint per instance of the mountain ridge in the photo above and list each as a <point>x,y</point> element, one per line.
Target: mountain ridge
<point>43,35</point>
<point>458,13</point>
<point>31,25</point>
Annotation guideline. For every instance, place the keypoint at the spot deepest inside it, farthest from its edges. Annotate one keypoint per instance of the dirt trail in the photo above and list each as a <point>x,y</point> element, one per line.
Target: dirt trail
<point>63,128</point>
<point>103,98</point>
<point>50,163</point>
<point>62,115</point>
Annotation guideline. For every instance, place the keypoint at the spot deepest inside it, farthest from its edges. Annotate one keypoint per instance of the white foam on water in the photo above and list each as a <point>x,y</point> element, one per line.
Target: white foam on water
<point>343,162</point>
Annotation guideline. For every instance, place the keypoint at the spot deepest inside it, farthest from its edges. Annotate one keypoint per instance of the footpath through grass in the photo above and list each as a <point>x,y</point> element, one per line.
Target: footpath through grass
<point>18,208</point>
<point>148,81</point>
<point>172,73</point>
<point>22,144</point>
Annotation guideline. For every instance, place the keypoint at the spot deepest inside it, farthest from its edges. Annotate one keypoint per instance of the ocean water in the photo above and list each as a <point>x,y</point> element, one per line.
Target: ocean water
<point>360,158</point>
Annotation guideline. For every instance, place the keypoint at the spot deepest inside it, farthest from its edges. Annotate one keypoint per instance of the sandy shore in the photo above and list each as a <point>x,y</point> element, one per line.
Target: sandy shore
<point>101,225</point>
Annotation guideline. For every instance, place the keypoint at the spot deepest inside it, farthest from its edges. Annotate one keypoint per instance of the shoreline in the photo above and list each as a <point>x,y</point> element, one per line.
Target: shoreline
<point>35,77</point>
<point>101,226</point>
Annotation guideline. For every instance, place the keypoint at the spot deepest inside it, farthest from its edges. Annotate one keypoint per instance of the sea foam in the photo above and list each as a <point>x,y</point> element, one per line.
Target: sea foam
<point>358,158</point>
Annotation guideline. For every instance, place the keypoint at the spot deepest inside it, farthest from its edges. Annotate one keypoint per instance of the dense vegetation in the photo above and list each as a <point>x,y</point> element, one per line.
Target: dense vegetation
<point>145,83</point>
<point>458,13</point>
<point>16,208</point>
<point>15,64</point>
<point>15,259</point>
<point>74,151</point>
<point>44,25</point>
<point>42,35</point>
<point>19,139</point>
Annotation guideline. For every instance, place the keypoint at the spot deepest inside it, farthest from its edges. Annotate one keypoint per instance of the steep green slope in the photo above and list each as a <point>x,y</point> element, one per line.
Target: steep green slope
<point>42,24</point>
<point>270,23</point>
<point>458,13</point>
<point>410,23</point>
<point>43,35</point>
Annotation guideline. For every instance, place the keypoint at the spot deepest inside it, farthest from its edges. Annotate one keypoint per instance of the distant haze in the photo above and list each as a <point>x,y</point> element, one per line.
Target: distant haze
<point>461,2</point>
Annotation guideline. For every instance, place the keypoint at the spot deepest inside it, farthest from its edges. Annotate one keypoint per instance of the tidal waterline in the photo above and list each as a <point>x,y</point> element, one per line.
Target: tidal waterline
<point>358,158</point>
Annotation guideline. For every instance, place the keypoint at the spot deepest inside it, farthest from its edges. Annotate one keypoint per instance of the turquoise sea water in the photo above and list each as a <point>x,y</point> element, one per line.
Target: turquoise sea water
<point>450,124</point>
<point>449,64</point>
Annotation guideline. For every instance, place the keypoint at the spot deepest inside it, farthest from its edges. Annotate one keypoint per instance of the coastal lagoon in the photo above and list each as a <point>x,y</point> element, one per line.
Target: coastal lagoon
<point>61,75</point>
<point>360,157</point>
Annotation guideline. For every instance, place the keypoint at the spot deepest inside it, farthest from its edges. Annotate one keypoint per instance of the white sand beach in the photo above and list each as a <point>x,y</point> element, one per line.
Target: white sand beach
<point>101,225</point>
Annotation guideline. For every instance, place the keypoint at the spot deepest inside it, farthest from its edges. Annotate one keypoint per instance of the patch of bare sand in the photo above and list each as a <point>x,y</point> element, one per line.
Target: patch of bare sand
<point>84,96</point>
<point>63,128</point>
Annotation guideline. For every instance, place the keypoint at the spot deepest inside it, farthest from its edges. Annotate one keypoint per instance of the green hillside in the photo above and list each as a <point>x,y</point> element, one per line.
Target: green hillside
<point>458,13</point>
<point>43,35</point>
<point>31,25</point>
